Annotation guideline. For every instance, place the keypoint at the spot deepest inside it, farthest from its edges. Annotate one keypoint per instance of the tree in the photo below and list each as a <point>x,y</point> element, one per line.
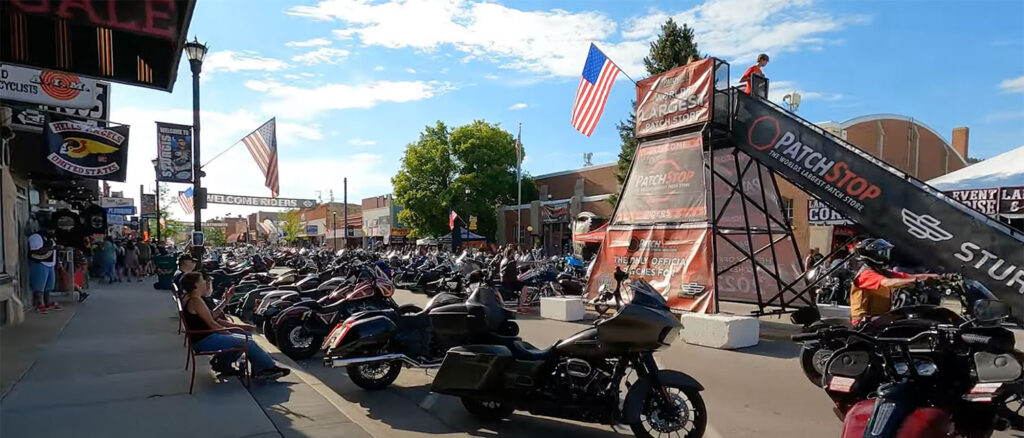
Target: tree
<point>169,228</point>
<point>674,47</point>
<point>291,226</point>
<point>215,236</point>
<point>439,168</point>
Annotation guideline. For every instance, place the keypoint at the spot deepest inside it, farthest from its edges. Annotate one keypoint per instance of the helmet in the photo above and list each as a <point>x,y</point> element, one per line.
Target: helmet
<point>874,252</point>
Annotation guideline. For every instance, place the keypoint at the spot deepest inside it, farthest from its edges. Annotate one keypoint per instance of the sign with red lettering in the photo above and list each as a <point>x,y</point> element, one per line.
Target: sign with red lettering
<point>135,42</point>
<point>677,263</point>
<point>675,99</point>
<point>665,184</point>
<point>86,150</point>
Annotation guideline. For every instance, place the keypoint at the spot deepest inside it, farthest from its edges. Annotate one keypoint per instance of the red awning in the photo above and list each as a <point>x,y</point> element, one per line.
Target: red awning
<point>593,236</point>
<point>232,238</point>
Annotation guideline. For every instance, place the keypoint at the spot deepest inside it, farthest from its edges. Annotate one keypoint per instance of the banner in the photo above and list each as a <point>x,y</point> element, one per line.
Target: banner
<point>675,99</point>
<point>665,184</point>
<point>123,211</point>
<point>985,201</point>
<point>174,152</point>
<point>111,201</point>
<point>258,201</point>
<point>149,204</point>
<point>94,220</point>
<point>31,118</point>
<point>819,213</point>
<point>88,151</point>
<point>676,262</point>
<point>1011,202</point>
<point>46,87</point>
<point>554,213</point>
<point>941,233</point>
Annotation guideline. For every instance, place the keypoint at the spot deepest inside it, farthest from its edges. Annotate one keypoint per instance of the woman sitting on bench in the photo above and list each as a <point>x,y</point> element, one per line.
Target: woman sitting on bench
<point>199,317</point>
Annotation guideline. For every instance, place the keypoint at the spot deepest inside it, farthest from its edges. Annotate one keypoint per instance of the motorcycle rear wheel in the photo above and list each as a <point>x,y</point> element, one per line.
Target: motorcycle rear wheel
<point>487,411</point>
<point>376,376</point>
<point>268,331</point>
<point>690,405</point>
<point>293,344</point>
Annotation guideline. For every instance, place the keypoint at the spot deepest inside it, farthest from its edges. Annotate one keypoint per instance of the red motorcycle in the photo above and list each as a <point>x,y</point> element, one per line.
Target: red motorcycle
<point>919,377</point>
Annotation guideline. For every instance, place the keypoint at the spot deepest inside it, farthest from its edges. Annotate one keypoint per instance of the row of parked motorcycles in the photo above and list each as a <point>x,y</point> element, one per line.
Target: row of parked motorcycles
<point>341,303</point>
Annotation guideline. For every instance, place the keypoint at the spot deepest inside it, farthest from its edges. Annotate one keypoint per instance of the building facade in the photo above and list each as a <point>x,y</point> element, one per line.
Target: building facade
<point>380,222</point>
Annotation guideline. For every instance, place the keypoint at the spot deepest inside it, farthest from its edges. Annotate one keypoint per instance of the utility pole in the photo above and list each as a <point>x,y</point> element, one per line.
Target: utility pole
<point>345,210</point>
<point>141,220</point>
<point>519,185</point>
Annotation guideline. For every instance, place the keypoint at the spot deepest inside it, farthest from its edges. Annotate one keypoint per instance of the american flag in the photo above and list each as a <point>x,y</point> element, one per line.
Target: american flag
<point>262,144</point>
<point>185,200</point>
<point>599,74</point>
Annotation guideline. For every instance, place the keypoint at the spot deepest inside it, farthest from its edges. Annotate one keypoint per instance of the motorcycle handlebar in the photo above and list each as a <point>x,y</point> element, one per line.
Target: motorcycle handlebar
<point>803,337</point>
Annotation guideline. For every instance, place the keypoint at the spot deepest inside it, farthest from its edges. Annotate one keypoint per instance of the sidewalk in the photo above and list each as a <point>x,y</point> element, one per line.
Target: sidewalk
<point>117,370</point>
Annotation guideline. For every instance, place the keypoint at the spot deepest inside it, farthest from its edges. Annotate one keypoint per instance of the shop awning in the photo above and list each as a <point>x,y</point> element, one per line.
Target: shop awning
<point>467,236</point>
<point>593,236</point>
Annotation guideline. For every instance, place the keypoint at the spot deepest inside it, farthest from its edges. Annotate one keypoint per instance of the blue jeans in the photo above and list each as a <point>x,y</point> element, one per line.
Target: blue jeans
<point>259,359</point>
<point>41,279</point>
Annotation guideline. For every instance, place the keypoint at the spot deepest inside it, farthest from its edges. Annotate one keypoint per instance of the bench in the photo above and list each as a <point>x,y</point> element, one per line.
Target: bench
<point>191,353</point>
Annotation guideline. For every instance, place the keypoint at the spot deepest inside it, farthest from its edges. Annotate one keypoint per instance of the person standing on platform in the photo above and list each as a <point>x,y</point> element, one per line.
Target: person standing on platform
<point>762,60</point>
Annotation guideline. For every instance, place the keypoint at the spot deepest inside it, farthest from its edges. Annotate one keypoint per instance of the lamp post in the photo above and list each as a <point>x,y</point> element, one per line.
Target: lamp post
<point>156,172</point>
<point>196,51</point>
<point>334,230</point>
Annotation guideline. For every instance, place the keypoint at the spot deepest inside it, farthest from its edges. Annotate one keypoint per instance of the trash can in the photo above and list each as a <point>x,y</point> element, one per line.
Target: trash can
<point>165,267</point>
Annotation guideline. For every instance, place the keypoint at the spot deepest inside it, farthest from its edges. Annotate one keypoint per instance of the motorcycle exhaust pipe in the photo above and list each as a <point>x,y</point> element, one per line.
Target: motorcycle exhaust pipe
<point>342,363</point>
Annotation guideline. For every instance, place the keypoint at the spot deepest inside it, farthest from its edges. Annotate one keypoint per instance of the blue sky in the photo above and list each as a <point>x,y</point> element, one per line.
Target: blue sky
<point>352,82</point>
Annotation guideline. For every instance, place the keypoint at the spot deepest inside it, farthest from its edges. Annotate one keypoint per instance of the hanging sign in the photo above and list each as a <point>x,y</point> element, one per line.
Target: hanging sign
<point>554,213</point>
<point>124,211</point>
<point>46,87</point>
<point>87,151</point>
<point>149,204</point>
<point>31,117</point>
<point>174,152</point>
<point>116,219</point>
<point>258,201</point>
<point>111,201</point>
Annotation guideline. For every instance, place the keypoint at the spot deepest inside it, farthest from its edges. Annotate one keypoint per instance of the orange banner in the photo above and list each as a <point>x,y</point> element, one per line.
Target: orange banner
<point>675,99</point>
<point>665,184</point>
<point>677,262</point>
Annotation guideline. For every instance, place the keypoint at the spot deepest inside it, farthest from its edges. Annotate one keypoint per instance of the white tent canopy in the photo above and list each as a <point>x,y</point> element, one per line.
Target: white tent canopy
<point>1003,170</point>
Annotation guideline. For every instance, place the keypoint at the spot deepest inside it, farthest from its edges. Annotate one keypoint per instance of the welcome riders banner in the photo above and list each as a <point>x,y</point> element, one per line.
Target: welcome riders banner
<point>88,151</point>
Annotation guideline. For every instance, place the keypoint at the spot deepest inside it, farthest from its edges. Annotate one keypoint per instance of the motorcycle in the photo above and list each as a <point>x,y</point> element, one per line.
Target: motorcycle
<point>581,377</point>
<point>923,372</point>
<point>374,346</point>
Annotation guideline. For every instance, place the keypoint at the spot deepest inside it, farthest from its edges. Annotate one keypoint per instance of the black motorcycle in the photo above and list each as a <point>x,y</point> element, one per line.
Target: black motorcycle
<point>581,377</point>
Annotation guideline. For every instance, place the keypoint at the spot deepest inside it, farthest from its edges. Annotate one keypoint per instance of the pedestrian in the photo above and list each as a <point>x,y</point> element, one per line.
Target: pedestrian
<point>42,253</point>
<point>131,261</point>
<point>108,259</point>
<point>762,60</point>
<point>145,257</point>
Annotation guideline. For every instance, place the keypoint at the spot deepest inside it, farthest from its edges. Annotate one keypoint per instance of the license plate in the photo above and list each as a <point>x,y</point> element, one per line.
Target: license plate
<point>841,384</point>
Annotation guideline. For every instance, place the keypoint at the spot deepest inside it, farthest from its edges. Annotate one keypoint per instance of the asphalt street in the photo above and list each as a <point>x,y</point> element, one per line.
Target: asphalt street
<point>753,392</point>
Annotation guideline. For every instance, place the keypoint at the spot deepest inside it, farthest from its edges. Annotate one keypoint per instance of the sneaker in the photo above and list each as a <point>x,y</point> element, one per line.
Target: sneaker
<point>54,306</point>
<point>273,373</point>
<point>82,296</point>
<point>41,309</point>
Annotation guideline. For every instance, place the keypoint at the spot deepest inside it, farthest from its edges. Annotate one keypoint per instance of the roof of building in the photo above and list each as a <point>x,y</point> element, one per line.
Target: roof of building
<point>886,116</point>
<point>1003,170</point>
<point>581,169</point>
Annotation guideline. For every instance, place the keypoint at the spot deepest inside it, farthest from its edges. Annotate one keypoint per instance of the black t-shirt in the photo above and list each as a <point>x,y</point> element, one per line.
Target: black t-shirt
<point>67,228</point>
<point>509,270</point>
<point>177,280</point>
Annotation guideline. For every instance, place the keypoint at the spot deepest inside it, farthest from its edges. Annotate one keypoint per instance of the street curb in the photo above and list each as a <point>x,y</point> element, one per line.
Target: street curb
<point>350,410</point>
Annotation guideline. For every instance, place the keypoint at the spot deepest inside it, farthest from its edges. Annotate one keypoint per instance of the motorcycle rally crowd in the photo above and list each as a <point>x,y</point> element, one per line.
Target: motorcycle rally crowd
<point>931,352</point>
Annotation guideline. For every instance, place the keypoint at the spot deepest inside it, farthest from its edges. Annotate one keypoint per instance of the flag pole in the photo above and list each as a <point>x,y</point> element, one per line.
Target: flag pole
<point>519,184</point>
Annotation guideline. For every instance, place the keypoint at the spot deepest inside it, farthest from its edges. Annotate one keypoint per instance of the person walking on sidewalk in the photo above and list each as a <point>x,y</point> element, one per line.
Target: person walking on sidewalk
<point>145,257</point>
<point>762,60</point>
<point>42,253</point>
<point>108,259</point>
<point>199,317</point>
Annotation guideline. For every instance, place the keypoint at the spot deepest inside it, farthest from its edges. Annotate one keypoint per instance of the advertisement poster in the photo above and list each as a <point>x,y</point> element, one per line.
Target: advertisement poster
<point>46,87</point>
<point>174,152</point>
<point>31,118</point>
<point>666,183</point>
<point>85,150</point>
<point>675,99</point>
<point>677,262</point>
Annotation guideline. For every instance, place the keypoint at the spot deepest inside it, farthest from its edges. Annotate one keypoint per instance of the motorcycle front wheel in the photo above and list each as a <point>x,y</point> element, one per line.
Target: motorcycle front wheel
<point>686,418</point>
<point>295,342</point>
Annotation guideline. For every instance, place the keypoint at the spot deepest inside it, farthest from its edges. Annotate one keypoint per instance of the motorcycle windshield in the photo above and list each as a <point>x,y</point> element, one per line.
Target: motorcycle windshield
<point>646,295</point>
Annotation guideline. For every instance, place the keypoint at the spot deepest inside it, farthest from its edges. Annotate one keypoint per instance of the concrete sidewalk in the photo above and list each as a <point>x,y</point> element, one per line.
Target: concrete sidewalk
<point>117,370</point>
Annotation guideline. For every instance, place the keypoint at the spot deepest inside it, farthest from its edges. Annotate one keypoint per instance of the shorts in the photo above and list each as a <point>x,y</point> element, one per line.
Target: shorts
<point>41,278</point>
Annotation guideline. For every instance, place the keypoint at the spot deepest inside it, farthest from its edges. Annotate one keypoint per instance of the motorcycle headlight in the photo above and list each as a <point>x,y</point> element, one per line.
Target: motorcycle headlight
<point>925,368</point>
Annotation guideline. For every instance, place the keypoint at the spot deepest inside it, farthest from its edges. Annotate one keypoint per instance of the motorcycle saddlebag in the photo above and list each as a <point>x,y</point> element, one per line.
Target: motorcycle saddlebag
<point>472,368</point>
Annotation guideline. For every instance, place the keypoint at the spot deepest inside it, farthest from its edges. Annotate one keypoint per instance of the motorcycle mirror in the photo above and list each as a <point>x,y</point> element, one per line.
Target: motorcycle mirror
<point>991,310</point>
<point>602,288</point>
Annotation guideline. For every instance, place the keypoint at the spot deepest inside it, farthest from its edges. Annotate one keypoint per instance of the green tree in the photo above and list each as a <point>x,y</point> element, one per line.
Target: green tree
<point>215,236</point>
<point>674,47</point>
<point>470,169</point>
<point>291,226</point>
<point>169,228</point>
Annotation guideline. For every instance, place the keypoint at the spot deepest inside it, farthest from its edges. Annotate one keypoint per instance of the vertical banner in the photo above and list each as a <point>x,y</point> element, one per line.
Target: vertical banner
<point>675,99</point>
<point>88,151</point>
<point>677,262</point>
<point>148,205</point>
<point>666,183</point>
<point>174,152</point>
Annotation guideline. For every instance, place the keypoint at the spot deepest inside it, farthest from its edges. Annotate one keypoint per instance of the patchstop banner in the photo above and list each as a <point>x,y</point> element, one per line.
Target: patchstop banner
<point>677,262</point>
<point>88,151</point>
<point>174,152</point>
<point>675,99</point>
<point>665,184</point>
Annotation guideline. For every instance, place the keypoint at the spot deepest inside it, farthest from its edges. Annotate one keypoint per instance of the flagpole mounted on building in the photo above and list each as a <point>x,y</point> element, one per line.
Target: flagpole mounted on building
<point>519,183</point>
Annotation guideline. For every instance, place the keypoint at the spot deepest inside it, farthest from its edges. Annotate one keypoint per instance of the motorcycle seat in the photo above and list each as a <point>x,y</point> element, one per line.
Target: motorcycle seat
<point>525,351</point>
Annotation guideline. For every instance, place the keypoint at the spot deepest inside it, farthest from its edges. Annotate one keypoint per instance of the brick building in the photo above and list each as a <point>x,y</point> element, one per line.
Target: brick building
<point>325,223</point>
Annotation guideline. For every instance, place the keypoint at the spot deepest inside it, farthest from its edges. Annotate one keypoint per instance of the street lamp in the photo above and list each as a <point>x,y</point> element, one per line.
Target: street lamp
<point>196,51</point>
<point>334,230</point>
<point>156,171</point>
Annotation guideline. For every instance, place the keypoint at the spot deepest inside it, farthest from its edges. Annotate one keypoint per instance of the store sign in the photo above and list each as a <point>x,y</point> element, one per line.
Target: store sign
<point>116,219</point>
<point>675,99</point>
<point>110,201</point>
<point>819,213</point>
<point>472,223</point>
<point>125,211</point>
<point>552,213</point>
<point>174,152</point>
<point>46,87</point>
<point>85,150</point>
<point>312,229</point>
<point>31,118</point>
<point>665,184</point>
<point>257,201</point>
<point>400,232</point>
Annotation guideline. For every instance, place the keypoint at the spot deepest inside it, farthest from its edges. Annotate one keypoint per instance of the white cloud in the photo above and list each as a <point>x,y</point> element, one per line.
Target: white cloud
<point>299,102</point>
<point>410,71</point>
<point>518,106</point>
<point>780,89</point>
<point>1013,85</point>
<point>323,55</point>
<point>554,42</point>
<point>231,61</point>
<point>492,76</point>
<point>378,68</point>
<point>1004,115</point>
<point>361,142</point>
<point>315,42</point>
